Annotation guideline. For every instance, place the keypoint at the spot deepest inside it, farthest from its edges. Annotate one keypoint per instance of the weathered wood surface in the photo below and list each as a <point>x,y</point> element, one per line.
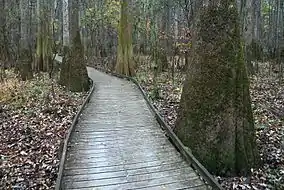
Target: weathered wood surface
<point>118,144</point>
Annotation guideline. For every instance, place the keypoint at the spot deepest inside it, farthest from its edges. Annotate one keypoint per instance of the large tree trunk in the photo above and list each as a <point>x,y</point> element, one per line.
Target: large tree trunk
<point>74,73</point>
<point>124,63</point>
<point>248,33</point>
<point>215,118</point>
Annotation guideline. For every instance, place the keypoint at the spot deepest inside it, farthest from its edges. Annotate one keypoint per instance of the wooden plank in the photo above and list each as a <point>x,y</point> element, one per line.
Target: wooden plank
<point>125,129</point>
<point>130,177</point>
<point>115,127</point>
<point>94,183</point>
<point>117,122</point>
<point>109,144</point>
<point>164,157</point>
<point>122,133</point>
<point>75,172</point>
<point>123,183</point>
<point>151,154</point>
<point>181,185</point>
<point>120,161</point>
<point>113,141</point>
<point>117,139</point>
<point>133,172</point>
<point>130,167</point>
<point>124,117</point>
<point>122,150</point>
<point>96,176</point>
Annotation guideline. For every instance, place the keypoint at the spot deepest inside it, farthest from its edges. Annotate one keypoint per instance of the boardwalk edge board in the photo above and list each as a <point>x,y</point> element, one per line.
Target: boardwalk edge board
<point>66,140</point>
<point>185,151</point>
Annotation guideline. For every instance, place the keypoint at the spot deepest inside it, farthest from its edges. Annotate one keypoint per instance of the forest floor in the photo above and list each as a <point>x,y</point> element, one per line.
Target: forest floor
<point>34,121</point>
<point>268,107</point>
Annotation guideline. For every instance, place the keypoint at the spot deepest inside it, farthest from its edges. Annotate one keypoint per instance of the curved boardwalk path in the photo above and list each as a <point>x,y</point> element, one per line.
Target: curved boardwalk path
<point>117,144</point>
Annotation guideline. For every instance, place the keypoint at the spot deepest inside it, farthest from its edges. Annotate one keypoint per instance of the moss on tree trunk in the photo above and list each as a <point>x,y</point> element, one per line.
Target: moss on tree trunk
<point>124,64</point>
<point>74,73</point>
<point>215,118</point>
<point>44,47</point>
<point>64,72</point>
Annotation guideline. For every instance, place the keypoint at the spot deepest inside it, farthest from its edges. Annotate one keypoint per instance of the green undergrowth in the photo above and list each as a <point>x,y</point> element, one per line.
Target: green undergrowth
<point>16,93</point>
<point>41,89</point>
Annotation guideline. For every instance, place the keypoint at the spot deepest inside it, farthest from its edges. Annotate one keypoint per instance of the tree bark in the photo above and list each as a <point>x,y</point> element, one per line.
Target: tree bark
<point>44,35</point>
<point>25,46</point>
<point>65,21</point>
<point>124,63</point>
<point>74,73</point>
<point>215,117</point>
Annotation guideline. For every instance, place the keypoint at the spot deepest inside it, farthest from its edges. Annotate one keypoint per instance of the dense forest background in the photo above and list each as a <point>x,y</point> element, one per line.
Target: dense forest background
<point>164,25</point>
<point>155,41</point>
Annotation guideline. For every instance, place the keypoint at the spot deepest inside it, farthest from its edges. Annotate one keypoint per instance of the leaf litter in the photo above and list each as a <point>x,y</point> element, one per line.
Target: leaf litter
<point>34,119</point>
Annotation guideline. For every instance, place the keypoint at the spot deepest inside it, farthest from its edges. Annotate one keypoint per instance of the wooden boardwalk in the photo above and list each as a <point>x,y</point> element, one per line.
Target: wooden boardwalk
<point>118,144</point>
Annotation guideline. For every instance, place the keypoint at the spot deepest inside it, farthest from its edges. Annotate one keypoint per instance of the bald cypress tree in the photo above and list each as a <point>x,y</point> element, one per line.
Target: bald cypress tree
<point>124,63</point>
<point>73,72</point>
<point>215,117</point>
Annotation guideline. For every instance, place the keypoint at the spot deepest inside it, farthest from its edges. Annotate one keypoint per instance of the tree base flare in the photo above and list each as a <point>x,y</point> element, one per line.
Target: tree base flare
<point>215,118</point>
<point>74,73</point>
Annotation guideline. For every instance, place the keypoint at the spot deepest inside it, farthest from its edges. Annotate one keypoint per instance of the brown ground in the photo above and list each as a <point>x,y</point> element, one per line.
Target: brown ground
<point>34,121</point>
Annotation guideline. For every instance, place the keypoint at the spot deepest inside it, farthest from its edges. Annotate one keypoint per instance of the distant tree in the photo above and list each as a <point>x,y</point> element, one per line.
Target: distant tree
<point>215,117</point>
<point>3,32</point>
<point>124,63</point>
<point>25,56</point>
<point>3,47</point>
<point>44,39</point>
<point>65,22</point>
